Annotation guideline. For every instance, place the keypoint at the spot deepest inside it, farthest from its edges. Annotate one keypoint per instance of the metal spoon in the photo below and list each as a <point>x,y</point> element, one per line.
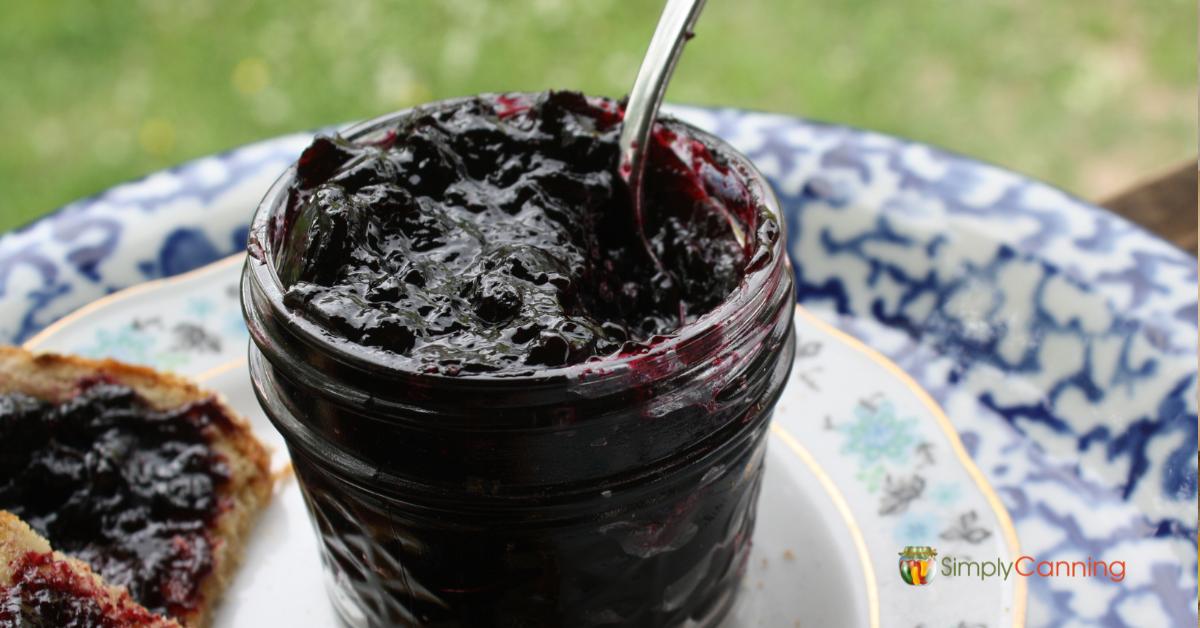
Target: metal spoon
<point>673,31</point>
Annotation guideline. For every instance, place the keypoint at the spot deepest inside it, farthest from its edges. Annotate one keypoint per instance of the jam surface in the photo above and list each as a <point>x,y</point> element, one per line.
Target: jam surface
<point>45,592</point>
<point>128,489</point>
<point>494,235</point>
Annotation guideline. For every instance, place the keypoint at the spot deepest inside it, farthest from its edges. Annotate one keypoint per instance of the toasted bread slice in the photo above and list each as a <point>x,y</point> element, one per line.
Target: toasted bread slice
<point>59,378</point>
<point>35,579</point>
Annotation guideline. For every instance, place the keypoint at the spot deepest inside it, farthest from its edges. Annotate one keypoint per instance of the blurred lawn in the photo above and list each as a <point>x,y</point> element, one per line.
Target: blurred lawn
<point>1089,95</point>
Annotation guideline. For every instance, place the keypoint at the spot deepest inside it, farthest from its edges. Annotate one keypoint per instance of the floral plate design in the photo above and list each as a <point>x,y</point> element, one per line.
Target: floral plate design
<point>1059,339</point>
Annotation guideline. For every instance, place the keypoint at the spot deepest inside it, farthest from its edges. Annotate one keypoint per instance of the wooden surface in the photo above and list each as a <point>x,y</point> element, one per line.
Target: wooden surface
<point>1165,205</point>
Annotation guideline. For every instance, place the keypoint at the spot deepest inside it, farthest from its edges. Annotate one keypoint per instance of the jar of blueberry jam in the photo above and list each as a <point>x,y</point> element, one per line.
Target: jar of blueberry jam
<point>509,401</point>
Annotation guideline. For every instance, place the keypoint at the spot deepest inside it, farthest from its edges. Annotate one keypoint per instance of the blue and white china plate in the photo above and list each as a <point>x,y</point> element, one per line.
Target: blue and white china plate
<point>987,366</point>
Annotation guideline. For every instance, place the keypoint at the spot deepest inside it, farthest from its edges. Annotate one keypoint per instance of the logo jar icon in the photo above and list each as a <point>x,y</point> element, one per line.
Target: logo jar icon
<point>917,564</point>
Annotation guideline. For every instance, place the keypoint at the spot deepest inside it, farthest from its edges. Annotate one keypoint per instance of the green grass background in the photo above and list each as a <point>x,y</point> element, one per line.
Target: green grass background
<point>1089,95</point>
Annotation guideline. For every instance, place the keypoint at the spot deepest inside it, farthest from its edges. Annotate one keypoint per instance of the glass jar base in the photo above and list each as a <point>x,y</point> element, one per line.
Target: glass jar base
<point>350,616</point>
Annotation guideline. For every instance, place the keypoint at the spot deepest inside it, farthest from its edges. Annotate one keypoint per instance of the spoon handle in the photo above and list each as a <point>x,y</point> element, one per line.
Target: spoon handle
<point>673,31</point>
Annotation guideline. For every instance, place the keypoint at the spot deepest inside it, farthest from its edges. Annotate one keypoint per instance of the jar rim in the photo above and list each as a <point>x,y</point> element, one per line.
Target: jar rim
<point>752,287</point>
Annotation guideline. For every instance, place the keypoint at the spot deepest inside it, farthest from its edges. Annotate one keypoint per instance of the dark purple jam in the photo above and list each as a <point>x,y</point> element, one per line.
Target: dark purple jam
<point>495,236</point>
<point>128,489</point>
<point>493,239</point>
<point>47,593</point>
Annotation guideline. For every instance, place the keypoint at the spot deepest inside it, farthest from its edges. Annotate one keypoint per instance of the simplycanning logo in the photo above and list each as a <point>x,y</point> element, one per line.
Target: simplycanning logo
<point>917,567</point>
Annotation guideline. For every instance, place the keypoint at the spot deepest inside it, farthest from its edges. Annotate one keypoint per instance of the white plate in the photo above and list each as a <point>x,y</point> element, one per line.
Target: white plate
<point>822,554</point>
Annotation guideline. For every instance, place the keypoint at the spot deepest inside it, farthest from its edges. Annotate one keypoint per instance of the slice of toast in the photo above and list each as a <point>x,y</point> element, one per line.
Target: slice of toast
<point>246,481</point>
<point>58,589</point>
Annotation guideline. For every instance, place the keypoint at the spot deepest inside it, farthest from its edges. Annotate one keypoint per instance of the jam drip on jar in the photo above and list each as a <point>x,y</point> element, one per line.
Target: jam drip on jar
<point>128,489</point>
<point>47,592</point>
<point>495,236</point>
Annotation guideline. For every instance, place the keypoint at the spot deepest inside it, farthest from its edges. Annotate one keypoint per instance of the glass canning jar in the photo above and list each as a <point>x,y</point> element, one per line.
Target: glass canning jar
<point>620,492</point>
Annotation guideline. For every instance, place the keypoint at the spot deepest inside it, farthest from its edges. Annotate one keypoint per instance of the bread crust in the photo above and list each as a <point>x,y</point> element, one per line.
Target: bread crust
<point>17,540</point>
<point>56,378</point>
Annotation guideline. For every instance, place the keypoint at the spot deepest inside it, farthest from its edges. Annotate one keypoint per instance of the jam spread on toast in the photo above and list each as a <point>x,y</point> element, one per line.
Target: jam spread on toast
<point>128,489</point>
<point>47,592</point>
